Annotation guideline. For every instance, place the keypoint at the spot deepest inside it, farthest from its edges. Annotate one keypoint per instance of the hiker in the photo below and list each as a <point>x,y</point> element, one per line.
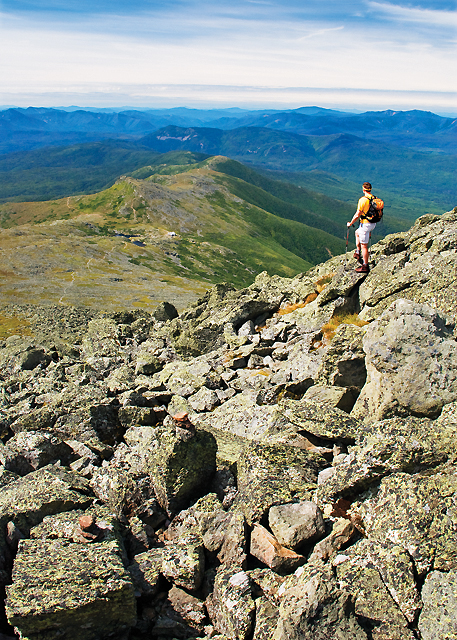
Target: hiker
<point>363,233</point>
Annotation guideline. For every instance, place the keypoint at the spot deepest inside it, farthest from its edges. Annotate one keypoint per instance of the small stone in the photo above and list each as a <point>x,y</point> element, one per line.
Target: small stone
<point>296,524</point>
<point>267,549</point>
<point>342,532</point>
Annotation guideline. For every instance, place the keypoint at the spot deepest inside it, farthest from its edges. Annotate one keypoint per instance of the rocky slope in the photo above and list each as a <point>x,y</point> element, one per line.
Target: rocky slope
<point>277,462</point>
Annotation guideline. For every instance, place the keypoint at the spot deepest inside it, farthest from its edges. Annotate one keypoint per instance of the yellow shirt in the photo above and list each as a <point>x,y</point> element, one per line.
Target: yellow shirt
<point>363,206</point>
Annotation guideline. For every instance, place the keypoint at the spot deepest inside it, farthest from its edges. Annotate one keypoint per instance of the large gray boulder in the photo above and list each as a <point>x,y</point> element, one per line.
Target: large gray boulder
<point>274,474</point>
<point>70,590</point>
<point>418,265</point>
<point>389,446</point>
<point>313,607</point>
<point>411,361</point>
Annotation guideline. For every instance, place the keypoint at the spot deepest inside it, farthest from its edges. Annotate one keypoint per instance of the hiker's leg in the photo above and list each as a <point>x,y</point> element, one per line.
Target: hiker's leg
<point>357,241</point>
<point>365,253</point>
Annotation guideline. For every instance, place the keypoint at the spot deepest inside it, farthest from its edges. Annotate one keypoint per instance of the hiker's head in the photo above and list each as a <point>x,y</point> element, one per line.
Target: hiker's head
<point>366,186</point>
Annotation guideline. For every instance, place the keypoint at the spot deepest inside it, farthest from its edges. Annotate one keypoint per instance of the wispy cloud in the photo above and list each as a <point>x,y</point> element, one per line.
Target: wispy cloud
<point>248,43</point>
<point>430,17</point>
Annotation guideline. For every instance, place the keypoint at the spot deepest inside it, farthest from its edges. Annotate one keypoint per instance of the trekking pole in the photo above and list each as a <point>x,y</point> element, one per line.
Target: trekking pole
<point>347,242</point>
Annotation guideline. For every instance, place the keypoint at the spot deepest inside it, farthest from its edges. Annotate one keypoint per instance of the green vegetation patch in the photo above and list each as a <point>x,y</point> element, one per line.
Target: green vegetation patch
<point>14,326</point>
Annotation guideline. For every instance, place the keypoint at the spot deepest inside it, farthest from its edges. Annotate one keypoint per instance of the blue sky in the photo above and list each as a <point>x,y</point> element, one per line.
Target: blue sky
<point>252,53</point>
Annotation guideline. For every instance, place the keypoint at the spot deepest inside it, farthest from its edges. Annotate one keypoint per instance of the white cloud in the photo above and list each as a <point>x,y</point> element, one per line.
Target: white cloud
<point>430,17</point>
<point>220,47</point>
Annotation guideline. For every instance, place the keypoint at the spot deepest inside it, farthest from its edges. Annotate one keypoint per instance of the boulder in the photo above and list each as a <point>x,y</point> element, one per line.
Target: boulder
<point>411,360</point>
<point>313,607</point>
<point>296,523</point>
<point>439,597</point>
<point>231,607</point>
<point>396,570</point>
<point>35,449</point>
<point>227,537</point>
<point>47,491</point>
<point>276,474</point>
<point>343,364</point>
<point>423,270</point>
<point>266,617</point>
<point>145,571</point>
<point>372,601</point>
<point>65,588</point>
<point>417,513</point>
<point>165,311</point>
<point>266,548</point>
<point>342,532</point>
<point>182,464</point>
<point>338,397</point>
<point>184,563</point>
<point>424,445</point>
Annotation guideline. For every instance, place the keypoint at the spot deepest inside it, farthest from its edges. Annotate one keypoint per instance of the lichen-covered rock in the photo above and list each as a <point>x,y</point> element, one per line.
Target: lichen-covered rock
<point>65,590</point>
<point>343,364</point>
<point>67,526</point>
<point>181,616</point>
<point>389,446</point>
<point>372,601</point>
<point>422,270</point>
<point>338,397</point>
<point>165,311</point>
<point>37,449</point>
<point>411,360</point>
<point>276,474</point>
<point>342,284</point>
<point>342,531</point>
<point>184,563</point>
<point>439,613</point>
<point>185,378</point>
<point>295,524</point>
<point>101,339</point>
<point>417,513</point>
<point>266,617</point>
<point>204,400</point>
<point>395,567</point>
<point>231,607</point>
<point>320,421</point>
<point>116,487</point>
<point>145,571</point>
<point>240,420</point>
<point>183,465</point>
<point>313,607</point>
<point>44,492</point>
<point>226,535</point>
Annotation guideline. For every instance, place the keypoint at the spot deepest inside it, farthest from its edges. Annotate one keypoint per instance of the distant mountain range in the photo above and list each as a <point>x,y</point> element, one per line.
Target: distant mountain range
<point>30,128</point>
<point>319,155</point>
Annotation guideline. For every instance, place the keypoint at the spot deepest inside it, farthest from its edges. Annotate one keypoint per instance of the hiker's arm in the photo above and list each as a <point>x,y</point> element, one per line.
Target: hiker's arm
<point>355,217</point>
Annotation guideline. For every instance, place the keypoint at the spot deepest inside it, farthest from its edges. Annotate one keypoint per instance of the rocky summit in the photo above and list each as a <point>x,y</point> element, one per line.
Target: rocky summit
<point>274,463</point>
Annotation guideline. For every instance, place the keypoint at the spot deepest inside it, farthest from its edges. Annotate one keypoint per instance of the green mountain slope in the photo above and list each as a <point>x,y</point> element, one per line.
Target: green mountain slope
<point>169,236</point>
<point>424,176</point>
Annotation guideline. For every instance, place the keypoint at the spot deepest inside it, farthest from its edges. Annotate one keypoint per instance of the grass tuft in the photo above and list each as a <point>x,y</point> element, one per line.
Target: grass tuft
<point>329,329</point>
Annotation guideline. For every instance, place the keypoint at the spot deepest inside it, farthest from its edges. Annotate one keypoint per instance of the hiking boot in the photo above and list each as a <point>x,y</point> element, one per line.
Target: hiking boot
<point>364,268</point>
<point>358,257</point>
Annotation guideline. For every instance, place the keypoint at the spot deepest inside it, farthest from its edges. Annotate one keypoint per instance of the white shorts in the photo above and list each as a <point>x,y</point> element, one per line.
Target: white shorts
<point>363,232</point>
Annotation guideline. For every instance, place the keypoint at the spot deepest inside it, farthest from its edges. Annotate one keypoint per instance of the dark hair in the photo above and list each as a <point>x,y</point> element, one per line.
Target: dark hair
<point>367,186</point>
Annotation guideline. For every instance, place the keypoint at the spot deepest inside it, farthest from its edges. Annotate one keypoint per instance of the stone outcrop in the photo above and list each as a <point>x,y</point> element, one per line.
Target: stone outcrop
<point>278,462</point>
